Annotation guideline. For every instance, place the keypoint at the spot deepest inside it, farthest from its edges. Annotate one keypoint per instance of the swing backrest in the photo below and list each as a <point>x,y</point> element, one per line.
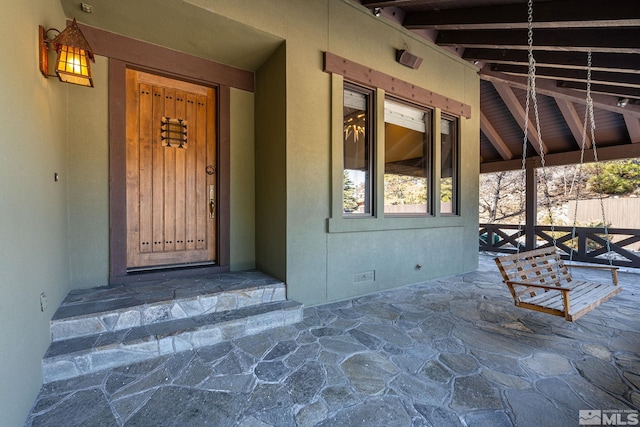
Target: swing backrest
<point>537,267</point>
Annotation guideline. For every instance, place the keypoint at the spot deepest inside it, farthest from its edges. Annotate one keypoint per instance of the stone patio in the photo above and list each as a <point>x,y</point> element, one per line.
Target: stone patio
<point>448,352</point>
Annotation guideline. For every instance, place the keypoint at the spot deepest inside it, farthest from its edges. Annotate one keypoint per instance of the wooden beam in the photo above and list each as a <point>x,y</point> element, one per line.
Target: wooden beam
<point>574,74</point>
<point>610,152</point>
<point>369,77</point>
<point>531,206</point>
<point>576,125</point>
<point>600,61</point>
<point>605,102</point>
<point>198,70</point>
<point>494,138</point>
<point>390,3</point>
<point>617,40</point>
<point>633,127</point>
<point>552,14</point>
<point>514,106</point>
<point>602,88</point>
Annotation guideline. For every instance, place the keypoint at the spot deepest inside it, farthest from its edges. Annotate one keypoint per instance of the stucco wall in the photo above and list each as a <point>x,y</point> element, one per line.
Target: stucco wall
<point>243,245</point>
<point>88,181</point>
<point>287,236</point>
<point>55,234</point>
<point>271,165</point>
<point>33,208</point>
<point>320,265</point>
<point>393,248</point>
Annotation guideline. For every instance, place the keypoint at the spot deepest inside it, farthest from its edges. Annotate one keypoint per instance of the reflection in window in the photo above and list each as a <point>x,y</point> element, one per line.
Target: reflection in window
<point>449,168</point>
<point>358,165</point>
<point>407,166</point>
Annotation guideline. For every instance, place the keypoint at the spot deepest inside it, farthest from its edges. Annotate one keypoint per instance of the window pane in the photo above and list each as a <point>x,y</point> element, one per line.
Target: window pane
<point>407,147</point>
<point>448,175</point>
<point>356,187</point>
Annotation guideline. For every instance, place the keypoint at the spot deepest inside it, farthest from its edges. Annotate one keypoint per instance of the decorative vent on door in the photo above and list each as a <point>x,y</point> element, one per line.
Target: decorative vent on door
<point>173,132</point>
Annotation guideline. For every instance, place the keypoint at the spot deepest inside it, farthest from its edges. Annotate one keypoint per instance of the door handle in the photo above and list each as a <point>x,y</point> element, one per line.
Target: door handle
<point>212,201</point>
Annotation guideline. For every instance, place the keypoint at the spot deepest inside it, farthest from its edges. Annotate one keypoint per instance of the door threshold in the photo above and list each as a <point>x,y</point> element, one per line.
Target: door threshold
<point>155,268</point>
<point>166,272</point>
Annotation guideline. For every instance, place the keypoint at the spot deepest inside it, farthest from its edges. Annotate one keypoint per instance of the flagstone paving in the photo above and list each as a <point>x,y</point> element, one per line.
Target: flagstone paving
<point>448,352</point>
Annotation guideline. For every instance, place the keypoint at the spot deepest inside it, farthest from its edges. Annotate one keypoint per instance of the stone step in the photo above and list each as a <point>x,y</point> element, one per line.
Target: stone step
<point>68,358</point>
<point>86,312</point>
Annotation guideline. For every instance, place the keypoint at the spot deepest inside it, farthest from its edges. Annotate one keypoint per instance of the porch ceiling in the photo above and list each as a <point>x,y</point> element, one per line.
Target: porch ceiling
<point>181,26</point>
<point>493,34</point>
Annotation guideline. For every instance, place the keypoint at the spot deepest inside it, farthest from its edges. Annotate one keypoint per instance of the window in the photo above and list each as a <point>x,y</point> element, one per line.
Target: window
<point>449,165</point>
<point>407,154</point>
<point>395,162</point>
<point>357,153</point>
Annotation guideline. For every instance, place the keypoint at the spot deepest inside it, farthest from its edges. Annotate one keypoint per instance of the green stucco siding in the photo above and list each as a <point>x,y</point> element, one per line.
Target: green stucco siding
<point>34,255</point>
<point>271,166</point>
<point>298,235</point>
<point>284,169</point>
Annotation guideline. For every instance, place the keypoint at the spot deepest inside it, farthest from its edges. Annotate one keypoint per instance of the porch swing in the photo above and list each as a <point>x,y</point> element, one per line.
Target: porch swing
<point>539,279</point>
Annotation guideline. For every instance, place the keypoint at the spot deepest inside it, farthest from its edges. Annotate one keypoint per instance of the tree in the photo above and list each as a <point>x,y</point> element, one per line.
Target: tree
<point>446,189</point>
<point>349,199</point>
<point>501,196</point>
<point>404,190</point>
<point>616,177</point>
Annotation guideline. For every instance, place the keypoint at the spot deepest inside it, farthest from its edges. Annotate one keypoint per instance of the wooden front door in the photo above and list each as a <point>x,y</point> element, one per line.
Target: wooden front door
<point>170,166</point>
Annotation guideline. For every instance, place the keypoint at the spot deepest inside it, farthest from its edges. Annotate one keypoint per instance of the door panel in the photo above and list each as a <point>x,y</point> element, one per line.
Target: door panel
<point>171,138</point>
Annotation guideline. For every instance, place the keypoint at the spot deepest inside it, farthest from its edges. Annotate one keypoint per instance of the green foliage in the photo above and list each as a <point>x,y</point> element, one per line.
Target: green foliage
<point>619,177</point>
<point>404,190</point>
<point>446,189</point>
<point>349,199</point>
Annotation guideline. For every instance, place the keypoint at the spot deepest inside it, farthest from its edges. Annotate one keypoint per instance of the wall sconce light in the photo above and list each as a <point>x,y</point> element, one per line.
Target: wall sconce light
<point>73,54</point>
<point>377,11</point>
<point>623,102</point>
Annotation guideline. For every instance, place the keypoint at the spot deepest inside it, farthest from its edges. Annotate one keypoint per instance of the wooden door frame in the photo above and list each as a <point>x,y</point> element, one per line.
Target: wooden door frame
<point>124,53</point>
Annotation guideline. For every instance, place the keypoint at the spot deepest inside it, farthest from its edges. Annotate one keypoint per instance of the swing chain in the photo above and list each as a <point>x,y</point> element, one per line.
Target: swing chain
<point>531,97</point>
<point>589,123</point>
<point>588,117</point>
<point>597,163</point>
<point>530,84</point>
<point>588,120</point>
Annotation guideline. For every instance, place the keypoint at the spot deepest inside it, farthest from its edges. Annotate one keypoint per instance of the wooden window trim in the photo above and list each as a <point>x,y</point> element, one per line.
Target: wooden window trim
<point>366,76</point>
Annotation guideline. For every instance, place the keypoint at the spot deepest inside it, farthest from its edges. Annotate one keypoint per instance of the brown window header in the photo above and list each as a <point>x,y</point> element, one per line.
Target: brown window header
<point>357,73</point>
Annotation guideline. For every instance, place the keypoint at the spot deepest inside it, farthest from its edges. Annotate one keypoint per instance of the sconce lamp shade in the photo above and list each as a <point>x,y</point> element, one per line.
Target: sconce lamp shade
<point>73,56</point>
<point>72,66</point>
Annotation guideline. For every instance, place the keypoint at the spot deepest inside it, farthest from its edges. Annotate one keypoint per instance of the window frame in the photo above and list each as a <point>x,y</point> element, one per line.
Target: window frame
<point>455,165</point>
<point>336,222</point>
<point>428,156</point>
<point>370,141</point>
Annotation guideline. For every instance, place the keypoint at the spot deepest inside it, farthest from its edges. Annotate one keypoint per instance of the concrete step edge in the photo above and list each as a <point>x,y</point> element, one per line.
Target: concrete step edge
<point>180,308</point>
<point>70,365</point>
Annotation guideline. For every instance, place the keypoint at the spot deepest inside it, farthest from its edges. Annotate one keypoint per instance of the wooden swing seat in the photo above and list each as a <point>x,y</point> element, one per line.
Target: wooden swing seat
<point>539,280</point>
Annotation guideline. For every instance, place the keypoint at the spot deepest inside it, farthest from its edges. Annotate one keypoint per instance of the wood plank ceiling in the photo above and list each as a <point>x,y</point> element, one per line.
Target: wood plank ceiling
<point>492,34</point>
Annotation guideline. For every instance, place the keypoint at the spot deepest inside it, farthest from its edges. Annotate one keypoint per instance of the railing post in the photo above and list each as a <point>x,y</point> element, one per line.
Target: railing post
<point>531,210</point>
<point>582,244</point>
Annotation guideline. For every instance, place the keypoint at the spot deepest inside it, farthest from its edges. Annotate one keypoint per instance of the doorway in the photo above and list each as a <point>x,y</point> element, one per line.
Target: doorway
<point>171,180</point>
